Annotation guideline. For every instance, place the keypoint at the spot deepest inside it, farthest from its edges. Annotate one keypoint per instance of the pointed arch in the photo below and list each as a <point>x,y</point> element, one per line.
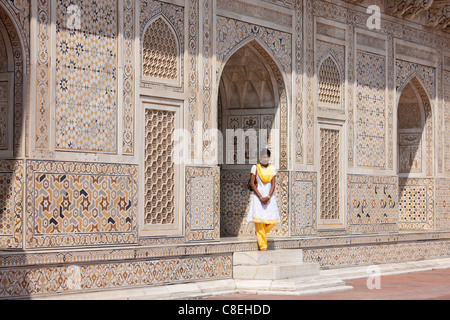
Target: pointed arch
<point>413,102</point>
<point>279,85</point>
<point>17,68</point>
<point>330,81</point>
<point>161,52</point>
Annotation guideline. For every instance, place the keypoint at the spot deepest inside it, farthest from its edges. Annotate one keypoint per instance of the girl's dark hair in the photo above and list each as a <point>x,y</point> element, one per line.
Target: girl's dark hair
<point>265,152</point>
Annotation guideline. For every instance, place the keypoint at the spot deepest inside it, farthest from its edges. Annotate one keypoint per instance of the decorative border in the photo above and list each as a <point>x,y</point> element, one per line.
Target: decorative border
<point>15,169</point>
<point>34,240</point>
<point>442,204</point>
<point>85,278</point>
<point>128,77</point>
<point>303,211</point>
<point>42,131</point>
<point>298,87</point>
<point>372,213</point>
<point>20,102</point>
<point>379,253</point>
<point>193,43</point>
<point>210,232</point>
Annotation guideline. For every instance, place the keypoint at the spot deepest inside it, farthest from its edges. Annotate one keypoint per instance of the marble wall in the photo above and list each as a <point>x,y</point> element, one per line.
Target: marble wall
<point>75,80</point>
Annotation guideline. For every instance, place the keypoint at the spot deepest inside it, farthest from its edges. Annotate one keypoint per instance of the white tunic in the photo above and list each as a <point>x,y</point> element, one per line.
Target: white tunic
<point>263,213</point>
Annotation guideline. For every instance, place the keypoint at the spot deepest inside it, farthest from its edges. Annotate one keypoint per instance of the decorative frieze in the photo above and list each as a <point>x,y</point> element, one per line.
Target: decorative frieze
<point>80,204</point>
<point>416,199</point>
<point>372,204</point>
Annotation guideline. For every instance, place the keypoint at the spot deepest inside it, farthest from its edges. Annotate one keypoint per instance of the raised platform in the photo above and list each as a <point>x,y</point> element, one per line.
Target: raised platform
<point>327,281</point>
<point>47,273</point>
<point>272,265</point>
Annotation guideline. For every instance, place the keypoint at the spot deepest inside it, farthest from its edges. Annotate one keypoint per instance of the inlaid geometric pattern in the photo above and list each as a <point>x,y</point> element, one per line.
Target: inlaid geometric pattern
<point>234,204</point>
<point>159,168</point>
<point>416,197</point>
<point>372,204</point>
<point>4,115</point>
<point>443,204</point>
<point>202,217</point>
<point>11,204</point>
<point>330,174</point>
<point>112,275</point>
<point>86,77</point>
<point>80,204</point>
<point>370,110</point>
<point>446,86</point>
<point>376,254</point>
<point>6,206</point>
<point>128,76</point>
<point>329,82</point>
<point>160,51</point>
<point>202,204</point>
<point>43,76</point>
<point>303,203</point>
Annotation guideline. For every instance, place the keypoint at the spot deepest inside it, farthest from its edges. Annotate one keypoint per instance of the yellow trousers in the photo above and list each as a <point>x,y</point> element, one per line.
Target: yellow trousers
<point>262,230</point>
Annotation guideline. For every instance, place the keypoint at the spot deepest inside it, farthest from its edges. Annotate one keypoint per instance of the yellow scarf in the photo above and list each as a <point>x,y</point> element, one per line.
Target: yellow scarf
<point>268,174</point>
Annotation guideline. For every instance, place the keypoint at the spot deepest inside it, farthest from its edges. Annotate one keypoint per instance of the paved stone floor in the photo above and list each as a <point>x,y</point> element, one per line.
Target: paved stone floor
<point>429,285</point>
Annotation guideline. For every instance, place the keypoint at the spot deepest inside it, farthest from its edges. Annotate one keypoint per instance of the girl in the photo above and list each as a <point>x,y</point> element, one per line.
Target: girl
<point>263,207</point>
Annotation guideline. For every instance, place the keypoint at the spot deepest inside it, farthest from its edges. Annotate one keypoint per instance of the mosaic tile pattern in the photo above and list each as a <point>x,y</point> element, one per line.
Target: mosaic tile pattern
<point>442,204</point>
<point>416,197</point>
<point>11,204</point>
<point>303,197</point>
<point>86,77</point>
<point>202,204</point>
<point>80,204</point>
<point>379,253</point>
<point>112,275</point>
<point>370,111</point>
<point>231,34</point>
<point>234,204</point>
<point>405,71</point>
<point>372,204</point>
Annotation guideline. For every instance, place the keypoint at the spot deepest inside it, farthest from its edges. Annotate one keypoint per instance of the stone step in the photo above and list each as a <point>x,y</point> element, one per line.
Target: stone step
<point>276,271</point>
<point>258,258</point>
<point>294,286</point>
